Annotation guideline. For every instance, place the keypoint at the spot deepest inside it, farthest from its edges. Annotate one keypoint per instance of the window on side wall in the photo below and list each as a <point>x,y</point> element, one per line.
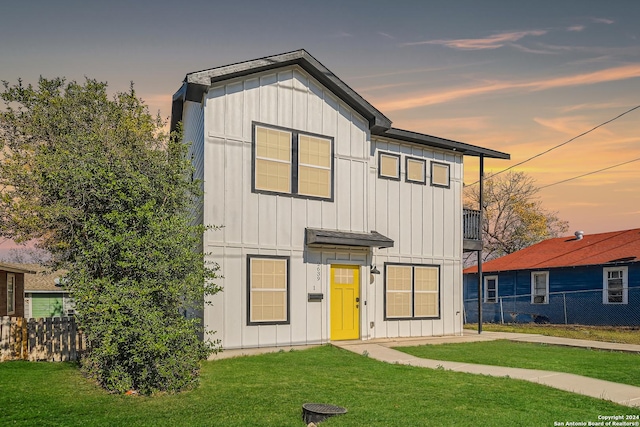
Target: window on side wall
<point>440,176</point>
<point>412,291</point>
<point>615,285</point>
<point>415,170</point>
<point>268,290</point>
<point>389,166</point>
<point>540,287</point>
<point>11,293</point>
<point>291,162</point>
<point>491,289</point>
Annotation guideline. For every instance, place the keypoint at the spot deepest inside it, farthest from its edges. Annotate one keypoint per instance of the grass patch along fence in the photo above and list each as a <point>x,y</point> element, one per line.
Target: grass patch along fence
<point>270,389</point>
<point>617,334</point>
<point>54,339</point>
<point>601,364</point>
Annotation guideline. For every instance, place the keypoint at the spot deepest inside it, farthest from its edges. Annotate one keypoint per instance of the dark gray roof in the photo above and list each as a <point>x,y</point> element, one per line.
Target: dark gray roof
<point>447,144</point>
<point>316,236</point>
<point>197,83</point>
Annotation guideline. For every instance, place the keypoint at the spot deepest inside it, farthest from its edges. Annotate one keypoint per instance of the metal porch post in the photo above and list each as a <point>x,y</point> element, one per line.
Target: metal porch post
<point>481,244</point>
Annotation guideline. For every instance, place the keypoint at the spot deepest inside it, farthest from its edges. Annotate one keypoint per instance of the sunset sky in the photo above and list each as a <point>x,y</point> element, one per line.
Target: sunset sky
<point>515,76</point>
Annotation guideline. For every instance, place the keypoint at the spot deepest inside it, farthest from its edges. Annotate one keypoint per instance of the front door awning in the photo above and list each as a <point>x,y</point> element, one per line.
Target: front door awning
<point>317,236</point>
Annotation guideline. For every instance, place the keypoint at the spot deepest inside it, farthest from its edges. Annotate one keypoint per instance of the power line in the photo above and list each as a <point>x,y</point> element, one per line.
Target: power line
<point>564,143</point>
<point>590,173</point>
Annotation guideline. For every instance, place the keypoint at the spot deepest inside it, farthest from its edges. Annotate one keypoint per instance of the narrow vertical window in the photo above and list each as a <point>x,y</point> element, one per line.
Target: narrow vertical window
<point>491,289</point>
<point>426,292</point>
<point>615,286</point>
<point>389,166</point>
<point>11,293</point>
<point>273,160</point>
<point>268,290</point>
<point>314,166</point>
<point>399,298</point>
<point>540,287</point>
<point>415,170</point>
<point>440,175</point>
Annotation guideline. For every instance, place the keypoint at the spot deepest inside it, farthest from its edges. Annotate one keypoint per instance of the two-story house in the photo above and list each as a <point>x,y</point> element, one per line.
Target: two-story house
<point>336,226</point>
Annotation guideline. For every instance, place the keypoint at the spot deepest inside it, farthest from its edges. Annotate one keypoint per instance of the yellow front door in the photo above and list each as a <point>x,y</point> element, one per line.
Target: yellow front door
<point>345,302</point>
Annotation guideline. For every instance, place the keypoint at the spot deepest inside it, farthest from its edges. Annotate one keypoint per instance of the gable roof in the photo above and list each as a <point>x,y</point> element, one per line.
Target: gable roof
<point>196,83</point>
<point>593,249</point>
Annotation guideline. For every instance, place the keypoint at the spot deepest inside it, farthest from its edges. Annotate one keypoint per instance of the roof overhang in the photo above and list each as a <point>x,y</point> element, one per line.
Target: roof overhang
<point>447,144</point>
<point>14,269</point>
<point>198,82</point>
<point>316,236</point>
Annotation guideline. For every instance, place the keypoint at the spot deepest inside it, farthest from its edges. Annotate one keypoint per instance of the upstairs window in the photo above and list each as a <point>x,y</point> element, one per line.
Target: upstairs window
<point>389,166</point>
<point>415,170</point>
<point>314,166</point>
<point>615,286</point>
<point>273,160</point>
<point>292,162</point>
<point>540,287</point>
<point>440,175</point>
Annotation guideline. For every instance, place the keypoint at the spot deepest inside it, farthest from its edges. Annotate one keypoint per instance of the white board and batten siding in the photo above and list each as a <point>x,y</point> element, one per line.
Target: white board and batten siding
<point>263,224</point>
<point>425,223</point>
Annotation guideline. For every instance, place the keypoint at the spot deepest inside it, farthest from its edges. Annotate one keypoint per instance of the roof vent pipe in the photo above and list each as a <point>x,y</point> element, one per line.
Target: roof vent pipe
<point>579,235</point>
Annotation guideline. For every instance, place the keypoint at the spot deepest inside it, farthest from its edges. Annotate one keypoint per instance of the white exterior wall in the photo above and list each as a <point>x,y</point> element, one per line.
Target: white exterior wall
<point>425,223</point>
<point>275,224</point>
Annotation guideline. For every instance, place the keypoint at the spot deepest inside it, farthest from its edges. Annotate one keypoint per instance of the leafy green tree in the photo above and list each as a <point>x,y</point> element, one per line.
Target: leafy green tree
<point>514,217</point>
<point>100,187</point>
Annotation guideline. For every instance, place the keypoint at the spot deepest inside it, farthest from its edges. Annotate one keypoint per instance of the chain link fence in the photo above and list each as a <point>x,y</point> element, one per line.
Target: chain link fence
<point>568,308</point>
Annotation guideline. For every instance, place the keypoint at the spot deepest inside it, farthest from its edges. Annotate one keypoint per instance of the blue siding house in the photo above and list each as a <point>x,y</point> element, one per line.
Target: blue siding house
<point>587,279</point>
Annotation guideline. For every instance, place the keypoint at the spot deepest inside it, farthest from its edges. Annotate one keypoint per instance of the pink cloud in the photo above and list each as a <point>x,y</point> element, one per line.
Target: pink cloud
<point>611,74</point>
<point>491,42</point>
<point>576,28</point>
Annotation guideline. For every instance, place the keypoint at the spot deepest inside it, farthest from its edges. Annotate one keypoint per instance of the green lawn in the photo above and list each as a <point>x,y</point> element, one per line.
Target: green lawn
<point>619,334</point>
<point>611,366</point>
<point>269,390</point>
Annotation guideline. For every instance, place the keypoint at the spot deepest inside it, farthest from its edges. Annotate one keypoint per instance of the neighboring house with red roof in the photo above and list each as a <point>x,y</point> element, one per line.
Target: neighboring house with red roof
<point>585,279</point>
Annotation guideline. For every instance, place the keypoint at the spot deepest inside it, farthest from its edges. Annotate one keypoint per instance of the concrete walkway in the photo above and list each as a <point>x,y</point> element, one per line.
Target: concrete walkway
<point>619,393</point>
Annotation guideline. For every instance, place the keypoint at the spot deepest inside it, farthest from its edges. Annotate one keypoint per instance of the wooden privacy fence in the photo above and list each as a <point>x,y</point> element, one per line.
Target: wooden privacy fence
<point>52,339</point>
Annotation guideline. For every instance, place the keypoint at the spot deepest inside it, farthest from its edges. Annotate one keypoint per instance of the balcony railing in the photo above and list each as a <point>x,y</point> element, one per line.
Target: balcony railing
<point>471,229</point>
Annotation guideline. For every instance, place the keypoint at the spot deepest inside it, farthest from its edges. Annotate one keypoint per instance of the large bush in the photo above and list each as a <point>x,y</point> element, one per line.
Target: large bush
<point>99,185</point>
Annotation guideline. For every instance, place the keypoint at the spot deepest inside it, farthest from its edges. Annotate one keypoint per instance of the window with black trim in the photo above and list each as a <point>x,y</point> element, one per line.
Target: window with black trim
<point>389,166</point>
<point>267,290</point>
<point>440,176</point>
<point>412,291</point>
<point>286,161</point>
<point>415,170</point>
